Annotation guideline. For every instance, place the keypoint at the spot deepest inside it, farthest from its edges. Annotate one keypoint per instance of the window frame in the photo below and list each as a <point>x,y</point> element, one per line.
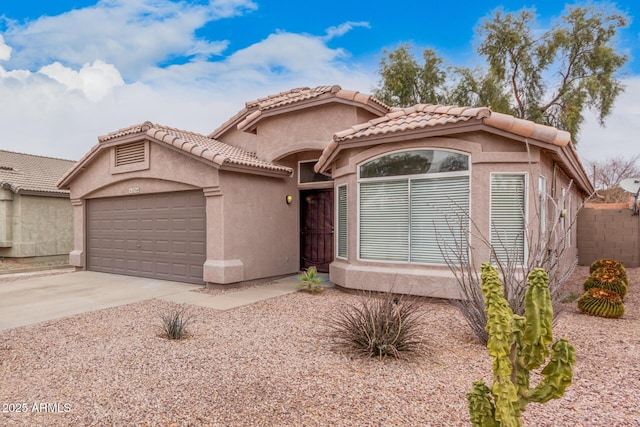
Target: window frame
<point>543,205</point>
<point>311,183</point>
<point>525,222</point>
<point>408,179</point>
<point>338,227</point>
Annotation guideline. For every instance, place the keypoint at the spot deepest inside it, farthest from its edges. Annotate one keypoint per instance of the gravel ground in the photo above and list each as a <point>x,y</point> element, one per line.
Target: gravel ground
<point>270,364</point>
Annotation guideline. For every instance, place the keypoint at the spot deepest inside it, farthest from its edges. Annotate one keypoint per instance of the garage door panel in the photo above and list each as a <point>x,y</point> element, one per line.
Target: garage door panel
<point>157,235</point>
<point>197,248</point>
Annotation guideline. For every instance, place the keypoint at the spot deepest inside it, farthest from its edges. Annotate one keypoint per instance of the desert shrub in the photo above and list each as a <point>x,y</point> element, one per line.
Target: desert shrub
<point>602,303</point>
<point>309,281</point>
<point>380,325</point>
<point>174,323</point>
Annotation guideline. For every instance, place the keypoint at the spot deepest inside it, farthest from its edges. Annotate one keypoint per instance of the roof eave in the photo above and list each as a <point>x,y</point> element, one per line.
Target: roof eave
<point>338,145</point>
<point>249,124</point>
<point>273,173</point>
<point>229,124</point>
<point>43,193</point>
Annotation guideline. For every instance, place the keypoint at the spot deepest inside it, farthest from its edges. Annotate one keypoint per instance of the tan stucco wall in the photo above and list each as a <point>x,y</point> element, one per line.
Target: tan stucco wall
<point>489,154</point>
<point>37,226</point>
<point>311,128</point>
<point>261,230</point>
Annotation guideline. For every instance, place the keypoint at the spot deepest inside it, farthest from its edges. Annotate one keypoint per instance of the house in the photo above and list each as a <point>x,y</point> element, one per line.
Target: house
<point>36,219</point>
<point>312,176</point>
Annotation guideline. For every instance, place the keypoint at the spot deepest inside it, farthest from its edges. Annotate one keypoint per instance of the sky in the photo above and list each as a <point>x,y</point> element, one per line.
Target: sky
<point>72,70</point>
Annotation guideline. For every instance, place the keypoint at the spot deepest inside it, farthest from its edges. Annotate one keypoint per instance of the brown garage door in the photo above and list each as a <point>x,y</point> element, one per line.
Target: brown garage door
<point>160,235</point>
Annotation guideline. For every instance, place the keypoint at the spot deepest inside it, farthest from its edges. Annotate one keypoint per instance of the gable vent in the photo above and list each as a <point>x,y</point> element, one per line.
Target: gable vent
<point>127,154</point>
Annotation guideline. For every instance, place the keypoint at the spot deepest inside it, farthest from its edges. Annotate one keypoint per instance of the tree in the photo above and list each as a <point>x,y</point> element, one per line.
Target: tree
<point>406,83</point>
<point>608,174</point>
<point>550,77</point>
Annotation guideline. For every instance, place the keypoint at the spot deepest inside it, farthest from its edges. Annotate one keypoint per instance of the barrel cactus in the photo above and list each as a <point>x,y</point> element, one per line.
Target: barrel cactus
<point>610,263</point>
<point>606,279</point>
<point>601,302</point>
<point>518,345</point>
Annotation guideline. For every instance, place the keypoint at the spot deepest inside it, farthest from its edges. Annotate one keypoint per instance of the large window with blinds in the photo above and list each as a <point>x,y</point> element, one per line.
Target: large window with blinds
<point>508,217</point>
<point>414,206</point>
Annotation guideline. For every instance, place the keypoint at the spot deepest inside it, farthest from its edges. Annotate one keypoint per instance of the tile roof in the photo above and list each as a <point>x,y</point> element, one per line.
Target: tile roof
<point>246,118</point>
<point>209,148</point>
<point>27,173</point>
<point>190,142</point>
<point>423,116</point>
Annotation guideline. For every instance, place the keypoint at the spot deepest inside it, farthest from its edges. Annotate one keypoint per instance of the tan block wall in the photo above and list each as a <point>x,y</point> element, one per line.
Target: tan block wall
<point>40,226</point>
<point>608,233</point>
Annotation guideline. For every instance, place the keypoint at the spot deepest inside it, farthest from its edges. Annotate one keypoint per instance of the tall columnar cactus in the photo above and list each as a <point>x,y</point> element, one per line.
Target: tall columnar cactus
<point>519,344</point>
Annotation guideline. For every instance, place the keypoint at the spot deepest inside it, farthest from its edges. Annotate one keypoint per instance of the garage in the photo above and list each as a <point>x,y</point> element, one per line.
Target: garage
<point>160,236</point>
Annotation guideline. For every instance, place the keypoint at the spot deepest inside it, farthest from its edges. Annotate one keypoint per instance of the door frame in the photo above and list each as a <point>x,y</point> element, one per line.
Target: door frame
<point>330,247</point>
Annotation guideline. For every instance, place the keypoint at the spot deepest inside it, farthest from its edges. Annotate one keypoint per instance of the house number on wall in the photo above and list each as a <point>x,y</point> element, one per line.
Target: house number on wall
<point>133,190</point>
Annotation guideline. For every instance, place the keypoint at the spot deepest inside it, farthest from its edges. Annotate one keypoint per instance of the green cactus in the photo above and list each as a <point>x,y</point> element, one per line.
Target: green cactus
<point>619,272</point>
<point>603,280</point>
<point>599,263</point>
<point>518,345</point>
<point>601,302</point>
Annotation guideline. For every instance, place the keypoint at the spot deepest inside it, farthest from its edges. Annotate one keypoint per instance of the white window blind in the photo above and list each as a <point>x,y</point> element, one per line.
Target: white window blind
<point>342,221</point>
<point>439,218</point>
<point>384,220</point>
<point>508,217</point>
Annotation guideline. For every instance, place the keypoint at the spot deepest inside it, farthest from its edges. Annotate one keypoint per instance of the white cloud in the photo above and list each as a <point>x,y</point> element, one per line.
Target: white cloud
<point>620,137</point>
<point>95,80</point>
<point>342,29</point>
<point>131,34</point>
<point>60,110</point>
<point>5,50</point>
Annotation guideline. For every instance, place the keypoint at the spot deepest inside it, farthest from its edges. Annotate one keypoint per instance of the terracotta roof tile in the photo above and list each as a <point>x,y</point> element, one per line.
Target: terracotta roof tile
<point>28,173</point>
<point>255,110</point>
<point>291,96</point>
<point>191,142</point>
<point>209,148</point>
<point>416,117</point>
<point>427,115</point>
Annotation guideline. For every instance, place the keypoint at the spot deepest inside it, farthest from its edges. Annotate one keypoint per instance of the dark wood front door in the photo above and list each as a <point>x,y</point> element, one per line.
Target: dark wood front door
<point>316,228</point>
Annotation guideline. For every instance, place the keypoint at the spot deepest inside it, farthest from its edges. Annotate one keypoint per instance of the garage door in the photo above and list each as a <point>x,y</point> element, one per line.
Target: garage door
<point>161,236</point>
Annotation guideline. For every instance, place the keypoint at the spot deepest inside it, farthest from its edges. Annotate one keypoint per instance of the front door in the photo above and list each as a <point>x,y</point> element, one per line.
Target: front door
<point>316,229</point>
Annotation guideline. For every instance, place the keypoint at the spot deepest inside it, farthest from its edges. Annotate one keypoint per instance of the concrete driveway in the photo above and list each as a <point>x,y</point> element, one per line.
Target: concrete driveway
<point>38,299</point>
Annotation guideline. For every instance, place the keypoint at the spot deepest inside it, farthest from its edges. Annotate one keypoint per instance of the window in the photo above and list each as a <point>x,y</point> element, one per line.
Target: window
<point>508,213</point>
<point>542,205</point>
<point>342,222</point>
<point>413,206</point>
<point>307,174</point>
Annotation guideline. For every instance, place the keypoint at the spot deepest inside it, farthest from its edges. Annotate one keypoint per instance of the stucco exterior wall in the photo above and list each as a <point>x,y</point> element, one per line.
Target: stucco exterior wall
<point>261,229</point>
<point>489,154</point>
<point>37,226</point>
<point>304,129</point>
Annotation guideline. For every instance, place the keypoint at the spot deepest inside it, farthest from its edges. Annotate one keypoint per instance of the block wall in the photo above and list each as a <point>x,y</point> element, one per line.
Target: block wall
<point>608,231</point>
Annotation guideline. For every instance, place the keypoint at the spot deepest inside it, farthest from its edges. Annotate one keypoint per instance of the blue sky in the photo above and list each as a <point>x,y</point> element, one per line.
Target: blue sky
<point>71,70</point>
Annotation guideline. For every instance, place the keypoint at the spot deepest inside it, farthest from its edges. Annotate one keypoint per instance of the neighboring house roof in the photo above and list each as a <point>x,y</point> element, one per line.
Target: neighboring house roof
<point>441,120</point>
<point>200,146</point>
<point>30,174</point>
<point>296,99</point>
